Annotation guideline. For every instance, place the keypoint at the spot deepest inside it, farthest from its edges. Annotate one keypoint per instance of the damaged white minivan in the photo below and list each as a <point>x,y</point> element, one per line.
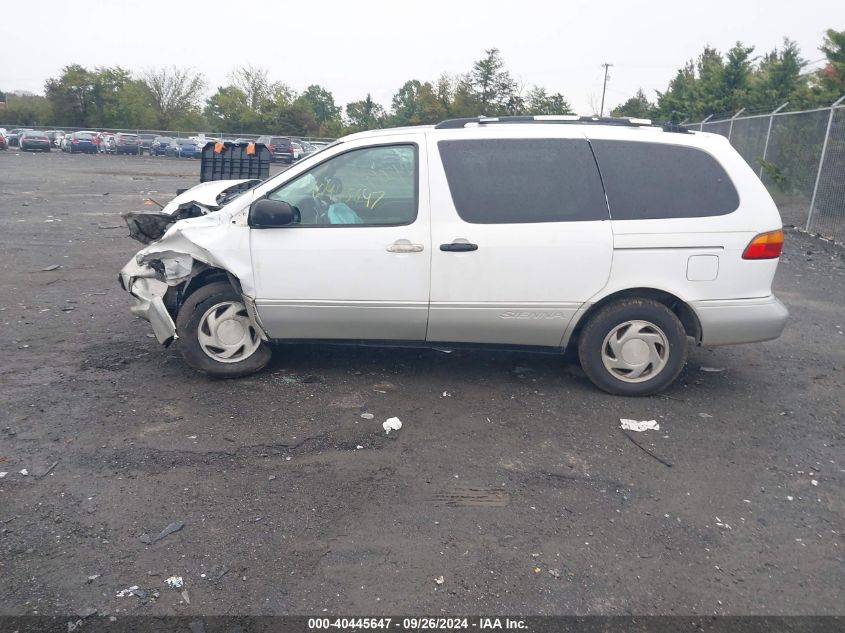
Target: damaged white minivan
<point>625,240</point>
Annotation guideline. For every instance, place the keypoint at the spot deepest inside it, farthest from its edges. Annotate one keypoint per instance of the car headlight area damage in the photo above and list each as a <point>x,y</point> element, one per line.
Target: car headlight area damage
<point>191,243</point>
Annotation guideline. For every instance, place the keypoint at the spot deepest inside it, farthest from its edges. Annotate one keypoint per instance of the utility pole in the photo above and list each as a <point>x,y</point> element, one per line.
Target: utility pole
<point>604,87</point>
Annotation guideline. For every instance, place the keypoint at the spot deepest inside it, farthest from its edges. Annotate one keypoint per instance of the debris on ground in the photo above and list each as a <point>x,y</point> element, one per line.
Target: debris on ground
<point>3,474</point>
<point>815,482</point>
<point>170,529</point>
<point>271,478</point>
<point>186,597</point>
<point>391,424</point>
<point>639,426</point>
<point>24,472</point>
<point>174,582</point>
<point>439,580</point>
<point>49,268</point>
<point>87,612</point>
<point>92,578</point>
<point>446,394</point>
<point>134,590</point>
<point>641,447</point>
<point>367,416</point>
<point>536,570</point>
<point>49,470</point>
<point>704,415</point>
<point>711,370</point>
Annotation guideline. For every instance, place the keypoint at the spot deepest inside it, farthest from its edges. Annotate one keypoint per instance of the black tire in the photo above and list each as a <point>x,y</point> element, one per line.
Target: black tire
<point>189,321</point>
<point>659,320</point>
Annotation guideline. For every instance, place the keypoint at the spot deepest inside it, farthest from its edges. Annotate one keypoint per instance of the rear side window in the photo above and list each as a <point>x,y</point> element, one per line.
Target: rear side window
<point>653,181</point>
<point>513,181</point>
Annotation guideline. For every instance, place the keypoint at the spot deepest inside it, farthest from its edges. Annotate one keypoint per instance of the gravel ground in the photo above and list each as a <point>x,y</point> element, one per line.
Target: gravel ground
<point>509,488</point>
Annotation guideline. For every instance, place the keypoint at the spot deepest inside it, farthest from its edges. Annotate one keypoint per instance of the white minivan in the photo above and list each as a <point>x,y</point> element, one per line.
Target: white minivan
<point>623,239</point>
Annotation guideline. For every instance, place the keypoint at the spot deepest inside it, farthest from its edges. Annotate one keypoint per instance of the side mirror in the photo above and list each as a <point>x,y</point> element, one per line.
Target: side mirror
<point>269,214</point>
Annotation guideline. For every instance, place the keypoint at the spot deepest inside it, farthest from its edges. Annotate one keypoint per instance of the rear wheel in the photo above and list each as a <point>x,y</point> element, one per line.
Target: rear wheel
<point>216,335</point>
<point>633,347</point>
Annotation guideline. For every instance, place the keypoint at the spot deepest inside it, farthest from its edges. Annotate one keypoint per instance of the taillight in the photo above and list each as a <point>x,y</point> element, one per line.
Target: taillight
<point>765,246</point>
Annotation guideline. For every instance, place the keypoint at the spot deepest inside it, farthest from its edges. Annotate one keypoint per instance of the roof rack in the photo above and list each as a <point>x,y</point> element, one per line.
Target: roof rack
<point>452,124</point>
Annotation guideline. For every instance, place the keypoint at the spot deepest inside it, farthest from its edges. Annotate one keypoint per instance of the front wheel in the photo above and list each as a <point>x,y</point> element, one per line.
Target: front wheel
<point>633,347</point>
<point>216,335</point>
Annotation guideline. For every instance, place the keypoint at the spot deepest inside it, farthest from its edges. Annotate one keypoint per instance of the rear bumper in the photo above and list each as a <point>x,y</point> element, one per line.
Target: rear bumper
<point>730,321</point>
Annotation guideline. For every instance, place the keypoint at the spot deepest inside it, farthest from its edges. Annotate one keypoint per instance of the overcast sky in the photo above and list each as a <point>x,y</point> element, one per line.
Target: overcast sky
<point>357,46</point>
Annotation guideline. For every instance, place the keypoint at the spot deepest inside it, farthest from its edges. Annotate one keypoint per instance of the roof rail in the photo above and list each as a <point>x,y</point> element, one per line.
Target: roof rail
<point>452,124</point>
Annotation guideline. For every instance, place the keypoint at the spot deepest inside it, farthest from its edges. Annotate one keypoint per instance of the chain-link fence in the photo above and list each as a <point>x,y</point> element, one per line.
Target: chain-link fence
<point>800,157</point>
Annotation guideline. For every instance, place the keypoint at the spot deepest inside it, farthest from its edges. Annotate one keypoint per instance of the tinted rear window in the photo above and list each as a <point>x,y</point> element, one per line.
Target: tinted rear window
<point>648,181</point>
<point>510,181</point>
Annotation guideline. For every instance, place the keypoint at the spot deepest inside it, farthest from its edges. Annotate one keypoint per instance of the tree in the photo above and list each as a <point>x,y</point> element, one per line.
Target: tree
<point>364,115</point>
<point>72,96</point>
<point>174,93</point>
<point>637,107</point>
<point>831,78</point>
<point>736,75</point>
<point>490,84</point>
<point>253,83</point>
<point>540,102</point>
<point>26,109</point>
<point>778,79</point>
<point>679,102</point>
<point>407,106</point>
<point>322,104</point>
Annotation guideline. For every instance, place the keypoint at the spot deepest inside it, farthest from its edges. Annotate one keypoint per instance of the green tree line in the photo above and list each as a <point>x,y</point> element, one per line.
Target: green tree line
<point>723,83</point>
<point>174,98</point>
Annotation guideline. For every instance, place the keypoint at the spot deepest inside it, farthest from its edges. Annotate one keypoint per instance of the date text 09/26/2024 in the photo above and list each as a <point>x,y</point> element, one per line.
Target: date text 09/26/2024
<point>416,624</point>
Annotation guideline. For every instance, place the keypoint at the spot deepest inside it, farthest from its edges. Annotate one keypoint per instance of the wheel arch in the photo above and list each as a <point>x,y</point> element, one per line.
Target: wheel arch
<point>176,296</point>
<point>681,309</point>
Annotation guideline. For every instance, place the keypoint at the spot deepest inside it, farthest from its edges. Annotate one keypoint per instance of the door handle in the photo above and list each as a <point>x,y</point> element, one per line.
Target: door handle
<point>459,247</point>
<point>404,246</point>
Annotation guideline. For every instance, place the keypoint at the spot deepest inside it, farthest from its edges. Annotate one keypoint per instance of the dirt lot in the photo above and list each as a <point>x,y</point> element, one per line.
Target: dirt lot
<point>509,479</point>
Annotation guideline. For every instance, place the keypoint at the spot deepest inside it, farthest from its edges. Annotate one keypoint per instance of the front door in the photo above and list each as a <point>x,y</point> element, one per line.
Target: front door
<point>355,264</point>
<point>521,237</point>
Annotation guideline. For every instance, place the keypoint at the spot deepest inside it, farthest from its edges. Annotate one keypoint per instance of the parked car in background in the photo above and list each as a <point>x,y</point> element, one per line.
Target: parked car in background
<point>182,148</point>
<point>159,144</point>
<point>125,143</point>
<point>32,139</point>
<point>55,137</point>
<point>145,142</point>
<point>297,150</point>
<point>4,144</point>
<point>82,142</point>
<point>281,149</point>
<point>106,144</point>
<point>14,135</point>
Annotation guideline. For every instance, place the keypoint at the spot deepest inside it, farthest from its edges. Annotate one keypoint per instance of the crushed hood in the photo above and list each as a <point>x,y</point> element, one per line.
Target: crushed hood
<point>207,197</point>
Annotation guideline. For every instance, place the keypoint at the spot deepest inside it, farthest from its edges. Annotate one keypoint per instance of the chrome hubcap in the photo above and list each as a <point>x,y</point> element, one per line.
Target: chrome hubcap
<point>635,351</point>
<point>226,333</point>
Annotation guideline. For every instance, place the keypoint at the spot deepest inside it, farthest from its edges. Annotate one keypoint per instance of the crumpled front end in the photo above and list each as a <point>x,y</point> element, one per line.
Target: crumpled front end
<point>161,275</point>
<point>148,299</point>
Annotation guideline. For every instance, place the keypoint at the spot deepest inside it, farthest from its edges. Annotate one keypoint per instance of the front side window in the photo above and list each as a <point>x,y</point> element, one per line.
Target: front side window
<point>373,186</point>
